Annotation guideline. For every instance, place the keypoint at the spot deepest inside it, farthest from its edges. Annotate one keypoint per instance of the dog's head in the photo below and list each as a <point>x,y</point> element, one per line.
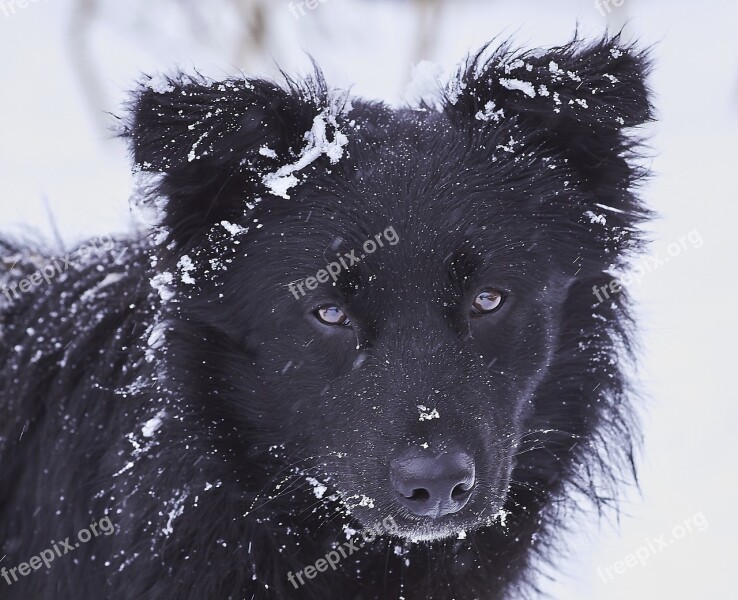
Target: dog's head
<point>388,302</point>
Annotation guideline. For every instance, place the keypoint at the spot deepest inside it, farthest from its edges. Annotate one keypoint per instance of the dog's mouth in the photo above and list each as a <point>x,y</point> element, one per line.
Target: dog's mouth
<point>483,507</point>
<point>412,528</point>
<point>425,496</point>
<point>429,530</point>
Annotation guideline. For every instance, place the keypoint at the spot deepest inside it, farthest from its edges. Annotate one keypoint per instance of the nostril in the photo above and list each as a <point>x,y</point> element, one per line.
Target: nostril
<point>420,495</point>
<point>461,491</point>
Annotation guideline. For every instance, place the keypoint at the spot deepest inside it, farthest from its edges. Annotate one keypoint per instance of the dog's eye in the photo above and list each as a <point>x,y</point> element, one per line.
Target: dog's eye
<point>487,301</point>
<point>332,315</point>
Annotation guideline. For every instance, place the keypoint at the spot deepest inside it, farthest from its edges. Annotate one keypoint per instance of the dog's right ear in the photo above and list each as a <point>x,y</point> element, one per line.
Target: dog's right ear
<point>213,142</point>
<point>581,99</point>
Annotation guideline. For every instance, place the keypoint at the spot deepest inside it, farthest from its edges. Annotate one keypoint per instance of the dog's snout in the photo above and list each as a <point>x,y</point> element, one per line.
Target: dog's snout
<point>431,486</point>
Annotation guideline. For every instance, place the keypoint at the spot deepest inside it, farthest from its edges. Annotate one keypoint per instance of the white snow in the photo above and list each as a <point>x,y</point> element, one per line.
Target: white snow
<point>426,414</point>
<point>152,425</point>
<point>268,152</point>
<point>156,336</point>
<point>317,144</point>
<point>595,218</point>
<point>490,113</point>
<point>319,489</point>
<point>109,279</point>
<point>521,86</point>
<point>59,150</point>
<point>160,84</point>
<point>233,228</point>
<point>186,266</point>
<point>512,65</point>
<point>193,151</point>
<point>454,89</point>
<point>176,510</point>
<point>162,283</point>
<point>553,67</point>
<point>349,531</point>
<point>366,501</point>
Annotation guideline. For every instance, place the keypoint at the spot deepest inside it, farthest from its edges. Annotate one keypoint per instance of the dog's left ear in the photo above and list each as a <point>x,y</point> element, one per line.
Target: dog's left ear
<point>577,99</point>
<point>218,145</point>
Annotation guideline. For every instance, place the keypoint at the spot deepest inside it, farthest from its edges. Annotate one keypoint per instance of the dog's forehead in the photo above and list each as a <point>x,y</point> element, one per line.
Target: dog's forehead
<point>406,206</point>
<point>414,215</point>
<point>410,246</point>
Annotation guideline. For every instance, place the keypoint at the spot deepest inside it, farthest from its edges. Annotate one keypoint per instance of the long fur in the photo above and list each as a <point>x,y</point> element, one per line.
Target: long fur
<point>190,401</point>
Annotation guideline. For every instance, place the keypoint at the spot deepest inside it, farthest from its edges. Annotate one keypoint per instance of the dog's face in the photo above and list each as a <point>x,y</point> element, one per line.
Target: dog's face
<point>409,378</point>
<point>387,318</point>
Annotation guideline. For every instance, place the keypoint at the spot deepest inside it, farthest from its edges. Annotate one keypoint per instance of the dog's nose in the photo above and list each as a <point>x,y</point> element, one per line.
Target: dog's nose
<point>433,486</point>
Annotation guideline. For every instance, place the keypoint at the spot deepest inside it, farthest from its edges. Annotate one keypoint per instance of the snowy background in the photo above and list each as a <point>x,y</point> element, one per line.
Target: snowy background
<point>66,64</point>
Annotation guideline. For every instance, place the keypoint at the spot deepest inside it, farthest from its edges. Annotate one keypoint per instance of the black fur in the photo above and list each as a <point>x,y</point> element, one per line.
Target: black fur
<point>201,422</point>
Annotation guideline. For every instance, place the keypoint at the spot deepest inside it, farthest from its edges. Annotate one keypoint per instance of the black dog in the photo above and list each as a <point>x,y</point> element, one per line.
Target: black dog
<point>360,357</point>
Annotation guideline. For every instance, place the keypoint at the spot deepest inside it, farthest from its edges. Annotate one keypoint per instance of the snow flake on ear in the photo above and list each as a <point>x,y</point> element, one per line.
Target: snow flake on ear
<point>268,152</point>
<point>324,138</point>
<point>162,283</point>
<point>186,266</point>
<point>553,67</point>
<point>455,87</point>
<point>193,154</point>
<point>233,228</point>
<point>490,113</point>
<point>509,147</point>
<point>522,86</point>
<point>513,65</point>
<point>251,204</point>
<point>160,84</point>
